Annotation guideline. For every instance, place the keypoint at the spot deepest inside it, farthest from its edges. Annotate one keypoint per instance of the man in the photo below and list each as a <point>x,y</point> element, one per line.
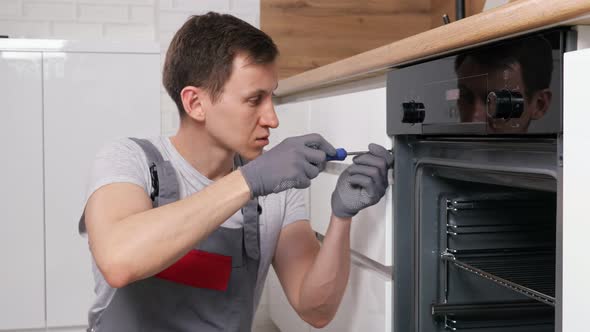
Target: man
<point>523,67</point>
<point>182,230</point>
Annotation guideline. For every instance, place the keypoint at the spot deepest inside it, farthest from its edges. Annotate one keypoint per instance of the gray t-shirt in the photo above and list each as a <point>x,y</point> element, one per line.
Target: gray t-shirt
<point>124,161</point>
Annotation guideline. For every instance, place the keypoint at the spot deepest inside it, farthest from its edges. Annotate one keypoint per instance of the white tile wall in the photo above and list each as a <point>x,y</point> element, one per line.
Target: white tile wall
<point>151,20</point>
<point>142,14</point>
<point>247,10</point>
<point>9,8</point>
<point>49,11</point>
<point>25,29</point>
<point>103,13</point>
<point>128,31</point>
<point>202,5</point>
<point>69,30</point>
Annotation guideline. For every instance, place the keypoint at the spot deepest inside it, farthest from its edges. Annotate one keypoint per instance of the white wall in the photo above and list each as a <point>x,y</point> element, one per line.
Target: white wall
<point>117,20</point>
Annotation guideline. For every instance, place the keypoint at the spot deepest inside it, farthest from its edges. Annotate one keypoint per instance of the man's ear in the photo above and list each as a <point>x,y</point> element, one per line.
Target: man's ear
<point>192,102</point>
<point>540,103</point>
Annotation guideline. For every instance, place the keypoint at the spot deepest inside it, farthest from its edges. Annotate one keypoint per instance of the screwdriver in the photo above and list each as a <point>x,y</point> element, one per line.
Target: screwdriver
<point>341,154</point>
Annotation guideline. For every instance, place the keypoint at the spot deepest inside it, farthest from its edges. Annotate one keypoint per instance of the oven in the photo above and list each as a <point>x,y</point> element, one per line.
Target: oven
<point>477,194</point>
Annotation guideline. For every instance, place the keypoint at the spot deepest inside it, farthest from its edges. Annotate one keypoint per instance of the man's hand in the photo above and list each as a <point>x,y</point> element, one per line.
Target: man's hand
<point>290,164</point>
<point>363,183</point>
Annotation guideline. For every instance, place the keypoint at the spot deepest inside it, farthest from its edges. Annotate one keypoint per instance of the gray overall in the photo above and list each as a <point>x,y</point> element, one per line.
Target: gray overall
<point>209,289</point>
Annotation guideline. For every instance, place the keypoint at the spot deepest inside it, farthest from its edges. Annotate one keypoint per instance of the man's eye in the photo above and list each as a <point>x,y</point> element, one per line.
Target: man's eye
<point>254,101</point>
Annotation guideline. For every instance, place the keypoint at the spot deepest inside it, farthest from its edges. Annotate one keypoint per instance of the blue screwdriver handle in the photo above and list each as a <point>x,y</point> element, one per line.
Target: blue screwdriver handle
<point>341,154</point>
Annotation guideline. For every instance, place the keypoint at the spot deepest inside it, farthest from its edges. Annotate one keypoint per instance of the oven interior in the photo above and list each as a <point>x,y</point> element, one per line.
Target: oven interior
<point>484,250</point>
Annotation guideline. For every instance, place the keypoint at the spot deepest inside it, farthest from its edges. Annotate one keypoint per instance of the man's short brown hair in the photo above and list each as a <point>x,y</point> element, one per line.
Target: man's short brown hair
<point>202,51</point>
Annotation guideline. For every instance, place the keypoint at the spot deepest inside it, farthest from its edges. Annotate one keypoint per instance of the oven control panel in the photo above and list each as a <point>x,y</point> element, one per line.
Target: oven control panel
<point>413,112</point>
<point>509,87</point>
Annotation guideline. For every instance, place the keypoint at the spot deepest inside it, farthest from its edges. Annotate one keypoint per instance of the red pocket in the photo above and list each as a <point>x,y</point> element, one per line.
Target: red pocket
<point>200,269</point>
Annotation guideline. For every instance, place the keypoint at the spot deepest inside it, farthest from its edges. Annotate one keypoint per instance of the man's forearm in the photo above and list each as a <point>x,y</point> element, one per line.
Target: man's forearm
<point>325,282</point>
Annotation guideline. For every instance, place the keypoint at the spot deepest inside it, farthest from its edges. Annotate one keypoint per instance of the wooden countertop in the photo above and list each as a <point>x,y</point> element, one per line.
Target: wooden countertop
<point>510,19</point>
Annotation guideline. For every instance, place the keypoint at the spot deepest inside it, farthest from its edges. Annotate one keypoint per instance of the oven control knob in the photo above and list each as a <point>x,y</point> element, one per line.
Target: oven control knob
<point>413,112</point>
<point>505,104</point>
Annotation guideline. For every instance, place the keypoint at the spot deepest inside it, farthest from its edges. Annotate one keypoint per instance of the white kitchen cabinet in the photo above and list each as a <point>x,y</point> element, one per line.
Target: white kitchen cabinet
<point>22,284</point>
<point>352,120</point>
<point>366,305</point>
<point>293,121</point>
<point>55,329</point>
<point>367,302</point>
<point>61,101</point>
<point>281,312</point>
<point>349,116</point>
<point>89,99</point>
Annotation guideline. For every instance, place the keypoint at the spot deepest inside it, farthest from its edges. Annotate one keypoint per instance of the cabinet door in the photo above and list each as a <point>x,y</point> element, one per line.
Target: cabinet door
<point>90,98</point>
<point>352,121</point>
<point>367,302</point>
<point>280,310</point>
<point>293,121</point>
<point>22,290</point>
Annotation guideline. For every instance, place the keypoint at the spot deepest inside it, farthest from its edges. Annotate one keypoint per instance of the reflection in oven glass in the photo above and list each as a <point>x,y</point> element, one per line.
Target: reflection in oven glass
<point>521,71</point>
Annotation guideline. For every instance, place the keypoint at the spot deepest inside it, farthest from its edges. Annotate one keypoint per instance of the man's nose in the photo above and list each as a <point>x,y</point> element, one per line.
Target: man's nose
<point>269,116</point>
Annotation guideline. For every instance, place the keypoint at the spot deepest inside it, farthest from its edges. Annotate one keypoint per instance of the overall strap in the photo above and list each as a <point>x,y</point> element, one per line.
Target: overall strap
<point>152,153</point>
<point>155,159</point>
<point>250,211</point>
<point>164,182</point>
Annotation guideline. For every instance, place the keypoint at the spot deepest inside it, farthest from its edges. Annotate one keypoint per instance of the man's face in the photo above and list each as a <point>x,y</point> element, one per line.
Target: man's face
<point>474,88</point>
<point>243,115</point>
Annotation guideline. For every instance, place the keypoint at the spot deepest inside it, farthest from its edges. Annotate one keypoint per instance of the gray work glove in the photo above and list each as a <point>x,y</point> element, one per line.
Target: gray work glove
<point>363,183</point>
<point>290,164</point>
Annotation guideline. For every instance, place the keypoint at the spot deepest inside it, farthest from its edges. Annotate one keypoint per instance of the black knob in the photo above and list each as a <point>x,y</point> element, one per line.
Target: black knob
<point>413,112</point>
<point>505,104</point>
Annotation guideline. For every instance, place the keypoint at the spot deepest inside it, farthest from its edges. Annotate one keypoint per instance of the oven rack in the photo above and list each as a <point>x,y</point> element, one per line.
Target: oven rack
<point>491,228</point>
<point>507,310</point>
<point>497,222</point>
<point>504,326</point>
<point>518,271</point>
<point>505,315</point>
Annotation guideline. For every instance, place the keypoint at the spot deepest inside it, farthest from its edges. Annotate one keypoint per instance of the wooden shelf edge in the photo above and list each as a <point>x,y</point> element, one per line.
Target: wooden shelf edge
<point>513,18</point>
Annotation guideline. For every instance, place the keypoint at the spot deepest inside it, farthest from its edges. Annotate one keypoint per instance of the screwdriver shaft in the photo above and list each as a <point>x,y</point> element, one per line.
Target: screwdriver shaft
<point>356,153</point>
